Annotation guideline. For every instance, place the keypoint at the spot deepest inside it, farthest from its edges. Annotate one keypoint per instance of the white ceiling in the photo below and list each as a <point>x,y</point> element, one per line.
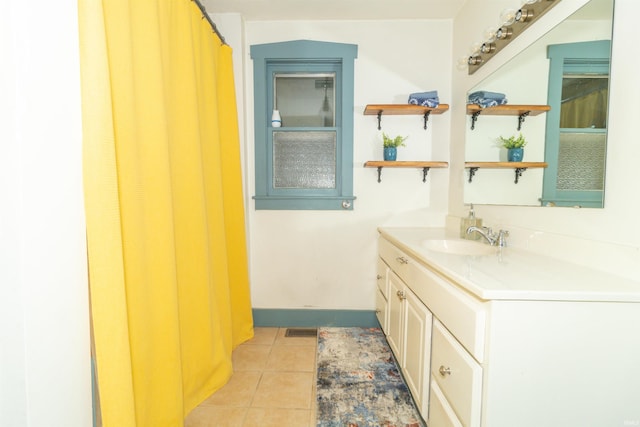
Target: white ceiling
<point>256,10</point>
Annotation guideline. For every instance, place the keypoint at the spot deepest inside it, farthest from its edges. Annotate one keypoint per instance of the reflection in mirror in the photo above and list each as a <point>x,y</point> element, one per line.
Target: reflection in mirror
<point>575,144</point>
<point>584,101</point>
<point>579,139</point>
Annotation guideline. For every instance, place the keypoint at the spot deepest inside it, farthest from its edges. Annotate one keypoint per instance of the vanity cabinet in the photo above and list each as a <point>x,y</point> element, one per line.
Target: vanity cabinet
<point>517,357</point>
<point>409,332</point>
<point>411,323</point>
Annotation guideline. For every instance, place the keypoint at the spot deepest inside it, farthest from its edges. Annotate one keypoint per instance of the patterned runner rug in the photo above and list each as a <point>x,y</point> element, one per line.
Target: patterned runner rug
<point>359,384</point>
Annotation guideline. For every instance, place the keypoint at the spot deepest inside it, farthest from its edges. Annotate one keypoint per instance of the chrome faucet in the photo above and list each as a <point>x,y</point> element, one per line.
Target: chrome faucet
<point>494,239</point>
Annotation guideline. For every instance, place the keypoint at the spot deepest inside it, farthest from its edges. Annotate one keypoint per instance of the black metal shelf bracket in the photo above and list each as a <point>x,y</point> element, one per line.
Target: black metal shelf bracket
<point>425,171</point>
<point>426,118</point>
<point>474,119</point>
<point>519,173</point>
<point>521,118</point>
<point>472,172</point>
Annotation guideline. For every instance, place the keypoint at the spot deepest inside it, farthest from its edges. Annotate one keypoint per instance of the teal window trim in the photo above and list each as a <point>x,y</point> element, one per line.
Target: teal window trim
<point>593,57</point>
<point>316,56</point>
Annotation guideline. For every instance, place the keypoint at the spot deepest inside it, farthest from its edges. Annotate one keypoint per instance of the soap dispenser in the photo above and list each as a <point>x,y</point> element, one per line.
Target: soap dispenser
<point>470,221</point>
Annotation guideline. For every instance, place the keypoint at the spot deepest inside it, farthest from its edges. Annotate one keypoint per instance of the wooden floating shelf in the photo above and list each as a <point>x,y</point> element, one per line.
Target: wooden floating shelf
<point>403,110</point>
<point>519,167</point>
<point>521,111</point>
<point>505,165</point>
<point>425,165</point>
<point>508,110</point>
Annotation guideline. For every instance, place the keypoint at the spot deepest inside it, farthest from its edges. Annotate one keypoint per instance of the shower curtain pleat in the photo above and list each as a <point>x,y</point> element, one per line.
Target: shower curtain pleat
<point>165,215</point>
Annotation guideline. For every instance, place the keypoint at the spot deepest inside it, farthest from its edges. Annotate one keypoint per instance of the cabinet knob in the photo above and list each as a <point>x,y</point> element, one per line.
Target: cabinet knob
<point>401,295</point>
<point>379,277</point>
<point>444,371</point>
<point>402,260</point>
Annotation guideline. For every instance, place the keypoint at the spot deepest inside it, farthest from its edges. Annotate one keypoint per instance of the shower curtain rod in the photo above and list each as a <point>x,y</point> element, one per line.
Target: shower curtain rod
<point>206,16</point>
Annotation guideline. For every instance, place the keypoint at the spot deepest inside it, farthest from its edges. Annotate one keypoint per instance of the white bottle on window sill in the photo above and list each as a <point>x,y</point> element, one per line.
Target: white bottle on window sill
<point>276,121</point>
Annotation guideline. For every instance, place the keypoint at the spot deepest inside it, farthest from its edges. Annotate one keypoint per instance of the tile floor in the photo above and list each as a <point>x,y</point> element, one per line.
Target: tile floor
<point>273,384</point>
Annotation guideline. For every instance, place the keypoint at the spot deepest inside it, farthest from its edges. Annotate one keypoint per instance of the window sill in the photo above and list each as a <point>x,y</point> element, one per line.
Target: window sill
<point>341,203</point>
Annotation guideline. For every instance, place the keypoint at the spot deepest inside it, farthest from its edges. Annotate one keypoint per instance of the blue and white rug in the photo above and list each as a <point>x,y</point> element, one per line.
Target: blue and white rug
<point>359,384</point>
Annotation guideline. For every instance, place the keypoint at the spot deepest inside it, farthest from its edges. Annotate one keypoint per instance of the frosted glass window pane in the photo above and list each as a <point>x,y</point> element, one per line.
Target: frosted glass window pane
<point>305,100</point>
<point>581,160</point>
<point>304,159</point>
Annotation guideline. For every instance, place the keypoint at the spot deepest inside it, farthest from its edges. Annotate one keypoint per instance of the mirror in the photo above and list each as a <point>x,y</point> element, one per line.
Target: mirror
<point>564,158</point>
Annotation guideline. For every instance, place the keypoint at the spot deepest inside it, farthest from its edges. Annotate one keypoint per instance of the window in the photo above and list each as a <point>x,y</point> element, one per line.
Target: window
<point>307,163</point>
<point>576,132</point>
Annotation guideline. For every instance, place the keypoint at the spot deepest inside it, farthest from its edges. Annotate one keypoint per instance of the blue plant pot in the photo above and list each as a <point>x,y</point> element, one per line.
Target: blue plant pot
<point>515,154</point>
<point>390,153</point>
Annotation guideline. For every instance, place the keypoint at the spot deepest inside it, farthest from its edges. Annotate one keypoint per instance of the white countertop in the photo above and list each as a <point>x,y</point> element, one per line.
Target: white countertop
<point>513,273</point>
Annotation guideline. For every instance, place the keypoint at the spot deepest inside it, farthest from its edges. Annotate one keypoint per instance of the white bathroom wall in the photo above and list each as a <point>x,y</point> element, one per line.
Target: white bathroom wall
<point>326,259</point>
<point>603,236</point>
<point>45,372</point>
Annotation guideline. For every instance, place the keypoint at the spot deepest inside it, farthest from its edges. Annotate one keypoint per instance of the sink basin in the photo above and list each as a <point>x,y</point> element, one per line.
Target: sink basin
<point>458,247</point>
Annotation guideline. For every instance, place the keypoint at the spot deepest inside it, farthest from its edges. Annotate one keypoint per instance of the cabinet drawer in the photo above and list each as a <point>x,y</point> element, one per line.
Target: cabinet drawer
<point>440,413</point>
<point>381,310</point>
<point>463,315</point>
<point>457,374</point>
<point>394,257</point>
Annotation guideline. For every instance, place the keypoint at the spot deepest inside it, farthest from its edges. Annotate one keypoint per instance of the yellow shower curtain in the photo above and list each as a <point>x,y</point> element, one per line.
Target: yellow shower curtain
<point>164,206</point>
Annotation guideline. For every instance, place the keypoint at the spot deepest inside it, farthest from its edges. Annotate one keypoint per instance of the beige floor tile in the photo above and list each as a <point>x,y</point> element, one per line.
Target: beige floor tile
<point>250,357</point>
<point>282,340</point>
<point>277,417</point>
<point>314,408</point>
<point>273,385</point>
<point>239,391</point>
<point>299,358</point>
<point>265,336</point>
<point>284,390</point>
<point>216,416</point>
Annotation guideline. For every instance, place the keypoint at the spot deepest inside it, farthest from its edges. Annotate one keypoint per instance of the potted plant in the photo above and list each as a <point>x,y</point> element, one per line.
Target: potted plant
<point>515,147</point>
<point>391,145</point>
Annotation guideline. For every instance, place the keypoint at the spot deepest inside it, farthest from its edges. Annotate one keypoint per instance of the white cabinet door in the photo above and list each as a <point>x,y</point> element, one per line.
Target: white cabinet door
<point>381,311</point>
<point>417,346</point>
<point>381,278</point>
<point>396,320</point>
<point>382,295</point>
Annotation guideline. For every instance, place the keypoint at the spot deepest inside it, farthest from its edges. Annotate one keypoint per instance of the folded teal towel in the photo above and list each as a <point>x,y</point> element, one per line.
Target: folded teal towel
<point>426,99</point>
<point>483,94</point>
<point>430,94</point>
